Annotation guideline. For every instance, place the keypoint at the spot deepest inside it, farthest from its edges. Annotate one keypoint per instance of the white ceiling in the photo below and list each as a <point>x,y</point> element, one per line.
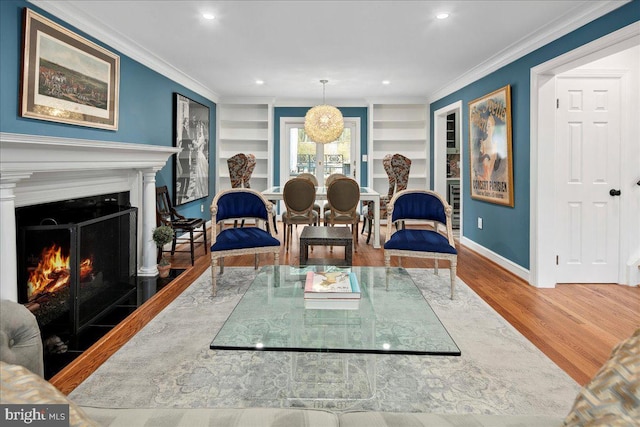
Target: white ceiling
<point>356,45</point>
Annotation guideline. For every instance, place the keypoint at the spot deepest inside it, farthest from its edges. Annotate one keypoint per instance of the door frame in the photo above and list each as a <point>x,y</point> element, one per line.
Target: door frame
<point>440,151</point>
<point>286,122</point>
<point>542,158</point>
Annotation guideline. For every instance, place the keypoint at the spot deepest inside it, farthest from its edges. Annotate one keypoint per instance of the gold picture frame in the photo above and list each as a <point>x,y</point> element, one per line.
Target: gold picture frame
<point>67,78</point>
<point>490,148</point>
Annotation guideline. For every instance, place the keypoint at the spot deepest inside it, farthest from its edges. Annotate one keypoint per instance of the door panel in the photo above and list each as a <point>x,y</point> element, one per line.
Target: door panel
<point>321,160</point>
<point>588,164</point>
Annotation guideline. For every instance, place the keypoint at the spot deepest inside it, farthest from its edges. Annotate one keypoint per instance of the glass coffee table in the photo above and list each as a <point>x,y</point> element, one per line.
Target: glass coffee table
<point>392,317</point>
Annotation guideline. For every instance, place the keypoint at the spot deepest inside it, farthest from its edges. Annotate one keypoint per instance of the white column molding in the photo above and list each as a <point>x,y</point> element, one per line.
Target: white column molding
<point>149,264</point>
<point>8,250</point>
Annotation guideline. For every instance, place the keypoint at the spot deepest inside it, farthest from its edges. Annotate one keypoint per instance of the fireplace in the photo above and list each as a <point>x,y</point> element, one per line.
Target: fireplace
<point>76,261</point>
<point>39,169</point>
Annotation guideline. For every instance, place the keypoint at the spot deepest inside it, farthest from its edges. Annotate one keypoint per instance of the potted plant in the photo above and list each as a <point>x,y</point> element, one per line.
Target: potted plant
<point>161,236</point>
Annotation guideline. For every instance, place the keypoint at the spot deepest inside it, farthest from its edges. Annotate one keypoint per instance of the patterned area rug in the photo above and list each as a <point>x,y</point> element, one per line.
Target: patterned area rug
<point>169,364</point>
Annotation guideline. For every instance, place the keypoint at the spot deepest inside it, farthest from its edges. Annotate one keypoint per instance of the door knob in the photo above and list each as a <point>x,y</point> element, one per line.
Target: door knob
<point>614,192</point>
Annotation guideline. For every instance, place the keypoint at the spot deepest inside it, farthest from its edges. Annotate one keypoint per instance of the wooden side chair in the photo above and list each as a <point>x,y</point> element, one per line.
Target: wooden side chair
<point>241,204</point>
<point>167,215</point>
<point>436,242</point>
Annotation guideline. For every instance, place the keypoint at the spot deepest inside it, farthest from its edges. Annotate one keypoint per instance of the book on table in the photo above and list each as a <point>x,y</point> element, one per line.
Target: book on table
<point>331,285</point>
<point>332,303</point>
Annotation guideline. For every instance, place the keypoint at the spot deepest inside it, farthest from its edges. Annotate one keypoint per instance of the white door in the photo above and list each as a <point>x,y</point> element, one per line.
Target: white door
<point>301,155</point>
<point>587,170</point>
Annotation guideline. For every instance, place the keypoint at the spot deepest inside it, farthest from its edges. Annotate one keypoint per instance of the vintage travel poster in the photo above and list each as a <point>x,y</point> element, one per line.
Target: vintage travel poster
<point>490,148</point>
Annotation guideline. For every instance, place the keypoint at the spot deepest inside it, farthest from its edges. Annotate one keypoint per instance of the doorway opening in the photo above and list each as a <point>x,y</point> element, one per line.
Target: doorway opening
<point>447,161</point>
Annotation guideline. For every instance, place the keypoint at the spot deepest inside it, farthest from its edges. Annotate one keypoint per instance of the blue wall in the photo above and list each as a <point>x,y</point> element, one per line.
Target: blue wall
<point>279,112</point>
<point>506,230</point>
<point>146,102</point>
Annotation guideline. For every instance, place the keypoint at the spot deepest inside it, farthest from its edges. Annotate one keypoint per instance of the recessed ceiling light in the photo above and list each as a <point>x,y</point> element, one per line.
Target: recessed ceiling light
<point>443,15</point>
<point>386,82</point>
<point>259,82</point>
<point>208,16</point>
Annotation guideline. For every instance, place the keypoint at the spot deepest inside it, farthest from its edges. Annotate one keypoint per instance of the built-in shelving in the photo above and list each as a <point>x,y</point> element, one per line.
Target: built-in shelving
<point>398,128</point>
<point>453,167</point>
<point>244,128</point>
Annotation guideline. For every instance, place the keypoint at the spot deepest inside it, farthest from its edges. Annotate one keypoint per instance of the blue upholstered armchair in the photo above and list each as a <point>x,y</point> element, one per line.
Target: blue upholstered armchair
<point>241,204</point>
<point>425,208</point>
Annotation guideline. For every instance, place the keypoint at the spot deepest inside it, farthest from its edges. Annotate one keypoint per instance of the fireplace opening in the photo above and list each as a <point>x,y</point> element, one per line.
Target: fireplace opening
<point>77,268</point>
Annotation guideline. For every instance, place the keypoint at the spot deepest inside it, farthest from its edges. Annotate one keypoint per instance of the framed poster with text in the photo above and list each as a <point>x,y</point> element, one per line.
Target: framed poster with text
<point>490,148</point>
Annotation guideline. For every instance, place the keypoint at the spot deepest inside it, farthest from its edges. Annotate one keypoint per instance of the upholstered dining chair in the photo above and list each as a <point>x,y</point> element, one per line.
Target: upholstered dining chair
<point>436,242</point>
<point>237,165</point>
<point>248,170</point>
<point>299,195</point>
<point>327,182</point>
<point>343,195</point>
<point>192,228</point>
<point>240,204</point>
<point>368,213</point>
<point>311,177</point>
<point>401,166</point>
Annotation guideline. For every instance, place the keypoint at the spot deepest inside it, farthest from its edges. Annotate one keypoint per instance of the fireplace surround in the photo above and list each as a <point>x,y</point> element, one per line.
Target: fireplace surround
<point>37,169</point>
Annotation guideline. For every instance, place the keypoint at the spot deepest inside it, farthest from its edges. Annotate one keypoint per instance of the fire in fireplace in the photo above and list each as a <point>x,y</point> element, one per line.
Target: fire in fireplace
<point>53,272</point>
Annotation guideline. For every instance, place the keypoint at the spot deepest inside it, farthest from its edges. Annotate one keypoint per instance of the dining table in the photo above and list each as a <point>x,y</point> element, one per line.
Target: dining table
<point>366,194</point>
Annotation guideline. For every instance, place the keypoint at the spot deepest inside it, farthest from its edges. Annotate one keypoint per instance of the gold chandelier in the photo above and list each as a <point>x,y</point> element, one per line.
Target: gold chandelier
<point>323,123</point>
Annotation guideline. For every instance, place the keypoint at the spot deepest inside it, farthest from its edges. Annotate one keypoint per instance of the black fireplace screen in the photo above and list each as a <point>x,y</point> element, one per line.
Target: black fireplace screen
<point>72,274</point>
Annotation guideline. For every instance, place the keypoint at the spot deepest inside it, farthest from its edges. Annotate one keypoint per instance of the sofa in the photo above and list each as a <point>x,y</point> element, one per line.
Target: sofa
<point>611,398</point>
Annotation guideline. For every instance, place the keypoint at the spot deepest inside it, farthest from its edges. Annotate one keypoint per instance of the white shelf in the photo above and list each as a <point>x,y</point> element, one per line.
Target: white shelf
<point>245,128</point>
<point>398,128</point>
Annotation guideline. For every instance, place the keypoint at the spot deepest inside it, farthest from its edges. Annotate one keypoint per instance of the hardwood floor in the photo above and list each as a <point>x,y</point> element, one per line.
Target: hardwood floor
<point>575,325</point>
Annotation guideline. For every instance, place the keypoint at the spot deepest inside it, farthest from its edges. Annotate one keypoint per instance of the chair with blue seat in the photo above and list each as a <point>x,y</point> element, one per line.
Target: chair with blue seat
<point>241,204</point>
<point>421,207</point>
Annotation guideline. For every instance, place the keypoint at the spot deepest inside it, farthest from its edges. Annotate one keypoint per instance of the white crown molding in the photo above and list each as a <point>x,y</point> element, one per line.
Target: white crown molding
<point>259,100</point>
<point>66,11</point>
<point>307,102</point>
<point>560,27</point>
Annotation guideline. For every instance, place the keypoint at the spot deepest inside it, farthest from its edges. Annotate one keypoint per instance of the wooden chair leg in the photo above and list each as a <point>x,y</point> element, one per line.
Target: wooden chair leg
<point>214,265</point>
<point>453,273</point>
<point>436,266</point>
<point>204,236</point>
<point>192,246</point>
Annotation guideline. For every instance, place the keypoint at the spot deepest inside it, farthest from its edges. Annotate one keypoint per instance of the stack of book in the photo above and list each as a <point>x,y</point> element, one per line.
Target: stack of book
<point>331,291</point>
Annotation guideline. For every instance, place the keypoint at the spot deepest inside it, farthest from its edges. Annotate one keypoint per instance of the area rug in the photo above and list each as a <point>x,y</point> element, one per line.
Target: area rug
<point>169,364</point>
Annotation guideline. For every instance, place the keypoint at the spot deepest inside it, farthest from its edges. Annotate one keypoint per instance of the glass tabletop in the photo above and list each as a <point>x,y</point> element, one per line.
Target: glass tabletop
<point>391,316</point>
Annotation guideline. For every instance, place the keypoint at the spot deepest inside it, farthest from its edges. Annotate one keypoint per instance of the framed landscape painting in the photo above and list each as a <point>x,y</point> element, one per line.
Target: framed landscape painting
<point>67,78</point>
<point>490,148</point>
<point>191,166</point>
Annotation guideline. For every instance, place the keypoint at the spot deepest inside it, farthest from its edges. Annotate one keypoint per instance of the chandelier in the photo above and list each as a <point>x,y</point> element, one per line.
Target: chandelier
<point>323,123</point>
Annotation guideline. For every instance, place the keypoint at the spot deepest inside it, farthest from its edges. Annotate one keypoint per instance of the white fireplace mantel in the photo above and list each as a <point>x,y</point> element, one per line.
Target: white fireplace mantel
<point>38,169</point>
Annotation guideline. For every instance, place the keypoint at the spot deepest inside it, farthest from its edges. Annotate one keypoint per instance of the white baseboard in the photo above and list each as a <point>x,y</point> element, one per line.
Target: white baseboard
<point>508,265</point>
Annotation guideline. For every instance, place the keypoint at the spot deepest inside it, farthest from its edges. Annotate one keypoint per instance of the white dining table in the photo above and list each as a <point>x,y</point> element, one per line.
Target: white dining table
<point>366,194</point>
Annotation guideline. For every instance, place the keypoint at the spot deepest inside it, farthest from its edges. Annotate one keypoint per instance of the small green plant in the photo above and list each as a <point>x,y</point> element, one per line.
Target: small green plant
<point>161,236</point>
